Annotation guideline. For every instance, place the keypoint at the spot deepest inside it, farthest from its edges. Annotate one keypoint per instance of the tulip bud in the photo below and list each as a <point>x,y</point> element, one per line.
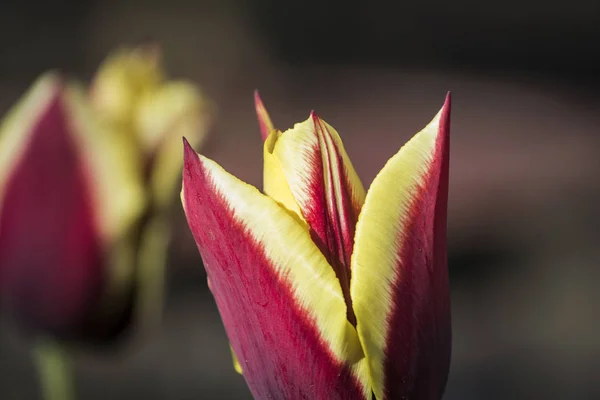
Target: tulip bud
<point>122,79</point>
<point>85,185</point>
<point>67,199</point>
<point>131,93</point>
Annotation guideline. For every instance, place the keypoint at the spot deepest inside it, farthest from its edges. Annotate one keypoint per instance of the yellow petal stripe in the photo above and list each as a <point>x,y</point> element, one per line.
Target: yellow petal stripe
<point>275,184</point>
<point>114,167</point>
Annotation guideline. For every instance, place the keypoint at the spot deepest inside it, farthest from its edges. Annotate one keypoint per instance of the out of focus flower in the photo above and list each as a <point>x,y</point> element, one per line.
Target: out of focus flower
<point>130,93</point>
<point>327,291</point>
<point>85,184</point>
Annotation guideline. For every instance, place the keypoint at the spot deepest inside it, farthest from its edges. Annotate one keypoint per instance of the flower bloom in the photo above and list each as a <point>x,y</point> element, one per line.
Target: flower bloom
<point>327,291</point>
<point>83,230</point>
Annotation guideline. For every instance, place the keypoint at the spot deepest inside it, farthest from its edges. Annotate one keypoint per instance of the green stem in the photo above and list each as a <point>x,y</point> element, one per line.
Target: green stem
<point>54,369</point>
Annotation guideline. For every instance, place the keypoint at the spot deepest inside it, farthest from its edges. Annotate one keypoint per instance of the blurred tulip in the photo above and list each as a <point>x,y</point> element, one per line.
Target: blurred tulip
<point>85,185</point>
<point>130,93</point>
<point>327,291</point>
<point>69,195</point>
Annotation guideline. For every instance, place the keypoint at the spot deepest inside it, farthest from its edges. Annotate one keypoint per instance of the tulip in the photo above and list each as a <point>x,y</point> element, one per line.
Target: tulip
<point>327,291</point>
<point>84,200</point>
<point>68,197</point>
<point>130,93</point>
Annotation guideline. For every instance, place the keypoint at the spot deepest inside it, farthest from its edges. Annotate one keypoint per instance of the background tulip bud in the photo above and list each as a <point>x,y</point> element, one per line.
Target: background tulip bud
<point>85,184</point>
<point>122,79</point>
<point>58,225</point>
<point>85,187</point>
<point>131,93</point>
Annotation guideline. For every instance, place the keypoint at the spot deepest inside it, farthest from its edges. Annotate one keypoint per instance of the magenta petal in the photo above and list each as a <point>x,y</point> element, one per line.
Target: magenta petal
<point>279,346</point>
<point>400,288</point>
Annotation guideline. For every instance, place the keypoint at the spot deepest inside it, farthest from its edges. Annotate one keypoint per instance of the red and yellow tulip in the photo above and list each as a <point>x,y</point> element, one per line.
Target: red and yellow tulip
<point>328,291</point>
<point>84,193</point>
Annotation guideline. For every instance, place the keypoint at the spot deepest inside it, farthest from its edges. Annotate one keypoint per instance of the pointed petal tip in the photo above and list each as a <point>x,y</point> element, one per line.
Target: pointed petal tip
<point>52,83</point>
<point>54,76</point>
<point>44,95</point>
<point>257,99</point>
<point>190,161</point>
<point>189,154</point>
<point>447,103</point>
<point>188,150</point>
<point>444,122</point>
<point>266,125</point>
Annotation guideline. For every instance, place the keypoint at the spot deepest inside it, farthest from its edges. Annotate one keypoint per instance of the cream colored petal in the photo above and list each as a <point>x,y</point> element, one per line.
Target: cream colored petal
<point>275,184</point>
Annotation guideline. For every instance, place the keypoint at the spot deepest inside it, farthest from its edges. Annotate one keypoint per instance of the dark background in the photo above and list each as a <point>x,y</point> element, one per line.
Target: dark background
<point>524,218</point>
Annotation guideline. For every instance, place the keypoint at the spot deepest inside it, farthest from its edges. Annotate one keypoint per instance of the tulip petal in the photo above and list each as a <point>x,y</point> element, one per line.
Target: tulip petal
<point>164,115</point>
<point>47,219</point>
<point>112,162</point>
<point>326,188</point>
<point>279,299</point>
<point>114,171</point>
<point>266,126</point>
<point>121,79</point>
<point>275,184</point>
<point>399,286</point>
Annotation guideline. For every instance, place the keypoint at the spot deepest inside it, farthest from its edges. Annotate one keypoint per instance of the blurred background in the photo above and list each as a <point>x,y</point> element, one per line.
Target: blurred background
<point>524,218</point>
